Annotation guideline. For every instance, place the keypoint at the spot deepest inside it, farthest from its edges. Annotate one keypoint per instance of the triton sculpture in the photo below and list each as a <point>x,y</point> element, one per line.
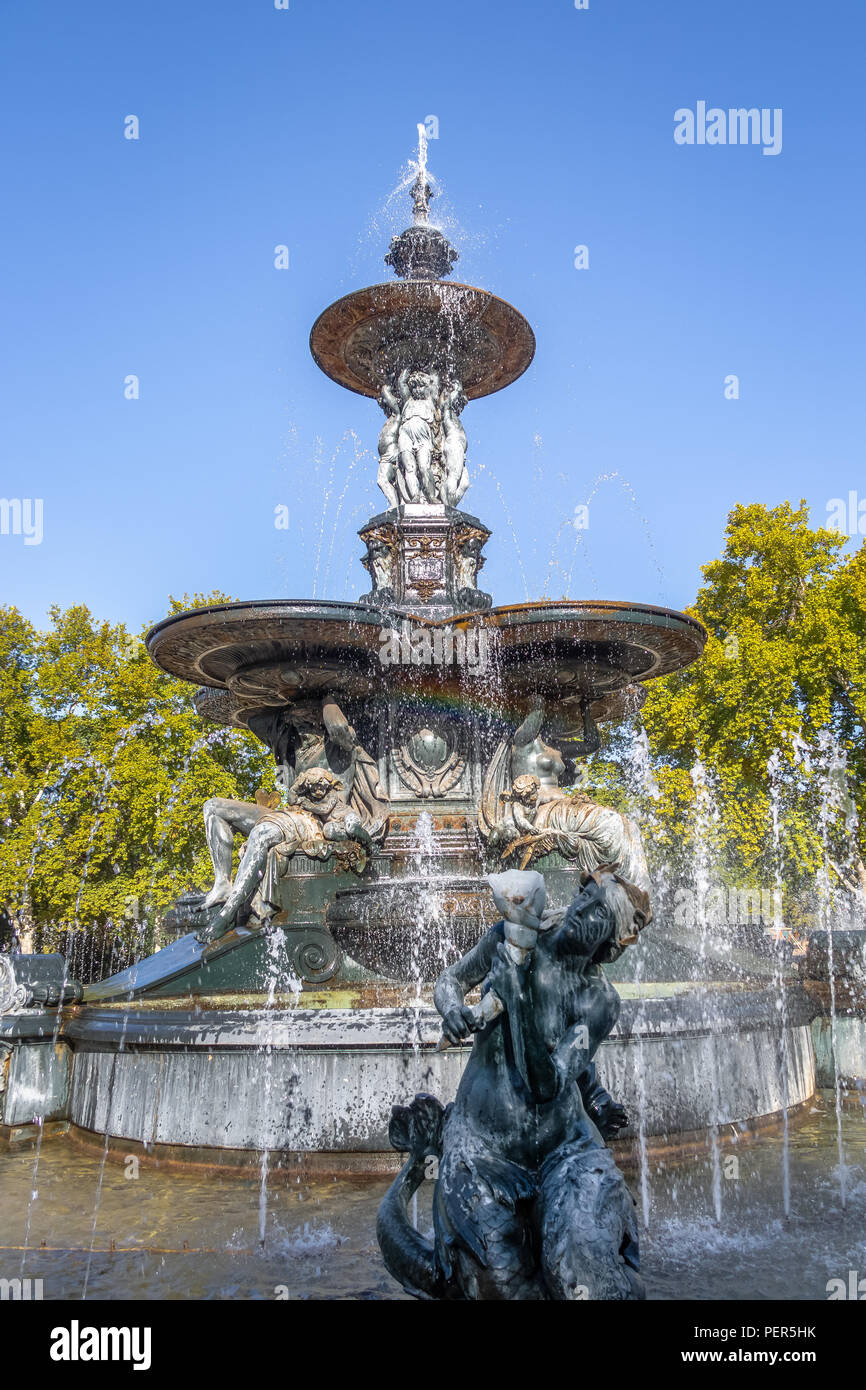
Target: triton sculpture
<point>528,1202</point>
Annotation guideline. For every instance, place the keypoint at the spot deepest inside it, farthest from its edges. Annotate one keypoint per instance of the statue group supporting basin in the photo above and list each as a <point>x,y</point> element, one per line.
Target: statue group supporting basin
<point>422,445</point>
<point>528,1202</point>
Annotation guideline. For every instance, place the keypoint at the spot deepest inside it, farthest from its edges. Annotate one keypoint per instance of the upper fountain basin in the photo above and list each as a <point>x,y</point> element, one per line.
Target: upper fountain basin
<point>269,652</point>
<point>366,339</point>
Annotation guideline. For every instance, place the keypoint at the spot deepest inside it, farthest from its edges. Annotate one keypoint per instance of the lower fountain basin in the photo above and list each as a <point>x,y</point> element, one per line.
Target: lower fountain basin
<point>222,1086</point>
<point>181,1236</point>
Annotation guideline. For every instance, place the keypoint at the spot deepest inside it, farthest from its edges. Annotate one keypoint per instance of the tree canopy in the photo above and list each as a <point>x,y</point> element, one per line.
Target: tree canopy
<point>104,767</point>
<point>768,727</point>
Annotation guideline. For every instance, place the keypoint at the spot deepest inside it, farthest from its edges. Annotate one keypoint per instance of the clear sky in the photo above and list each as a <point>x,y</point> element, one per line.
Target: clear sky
<point>259,127</point>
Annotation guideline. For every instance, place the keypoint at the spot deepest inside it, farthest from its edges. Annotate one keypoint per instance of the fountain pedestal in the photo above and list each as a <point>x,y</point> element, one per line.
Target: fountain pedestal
<point>423,559</point>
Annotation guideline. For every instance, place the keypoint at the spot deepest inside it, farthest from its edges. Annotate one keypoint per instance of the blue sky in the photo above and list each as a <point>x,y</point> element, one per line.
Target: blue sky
<point>261,127</point>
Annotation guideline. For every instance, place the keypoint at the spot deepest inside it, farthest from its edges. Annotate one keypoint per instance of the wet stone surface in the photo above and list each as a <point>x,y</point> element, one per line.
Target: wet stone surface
<point>319,1237</point>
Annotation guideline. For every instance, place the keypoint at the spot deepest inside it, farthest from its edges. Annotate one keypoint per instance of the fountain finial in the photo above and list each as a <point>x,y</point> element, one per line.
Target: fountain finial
<point>421,252</point>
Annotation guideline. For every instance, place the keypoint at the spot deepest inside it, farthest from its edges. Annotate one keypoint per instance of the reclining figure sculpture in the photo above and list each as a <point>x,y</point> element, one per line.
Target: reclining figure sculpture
<point>528,1203</point>
<point>336,808</point>
<point>525,814</point>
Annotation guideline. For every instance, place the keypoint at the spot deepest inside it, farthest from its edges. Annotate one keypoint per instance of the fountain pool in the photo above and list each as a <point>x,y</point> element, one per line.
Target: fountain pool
<point>174,1233</point>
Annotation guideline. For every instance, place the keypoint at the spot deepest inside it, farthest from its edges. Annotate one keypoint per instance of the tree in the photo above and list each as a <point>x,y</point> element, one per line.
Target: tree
<point>104,767</point>
<point>757,754</point>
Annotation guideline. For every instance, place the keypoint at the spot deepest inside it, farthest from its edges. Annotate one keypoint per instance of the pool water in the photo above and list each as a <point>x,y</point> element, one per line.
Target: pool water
<point>97,1230</point>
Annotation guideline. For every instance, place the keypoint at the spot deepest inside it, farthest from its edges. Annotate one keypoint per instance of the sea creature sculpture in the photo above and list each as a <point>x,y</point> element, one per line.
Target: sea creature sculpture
<point>528,1203</point>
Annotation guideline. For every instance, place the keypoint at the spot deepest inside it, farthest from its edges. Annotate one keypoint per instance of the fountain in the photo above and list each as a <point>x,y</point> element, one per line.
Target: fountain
<point>422,736</point>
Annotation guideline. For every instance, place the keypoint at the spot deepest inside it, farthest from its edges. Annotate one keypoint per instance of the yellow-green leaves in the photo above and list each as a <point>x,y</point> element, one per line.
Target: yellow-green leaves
<point>104,767</point>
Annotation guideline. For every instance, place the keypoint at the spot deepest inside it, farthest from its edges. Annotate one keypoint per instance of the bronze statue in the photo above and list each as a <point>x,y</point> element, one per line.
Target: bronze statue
<point>529,1203</point>
<point>524,811</point>
<point>317,822</point>
<point>336,806</point>
<point>302,736</point>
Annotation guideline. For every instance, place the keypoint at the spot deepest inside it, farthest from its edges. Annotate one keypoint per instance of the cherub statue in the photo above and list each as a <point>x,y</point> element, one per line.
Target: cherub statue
<point>534,815</point>
<point>316,821</point>
<point>522,802</point>
<point>529,1203</point>
<point>389,476</point>
<point>455,478</point>
<point>318,734</point>
<point>418,434</point>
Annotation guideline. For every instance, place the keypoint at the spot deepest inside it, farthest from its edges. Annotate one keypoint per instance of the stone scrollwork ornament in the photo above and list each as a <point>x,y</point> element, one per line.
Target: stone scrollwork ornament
<point>35,981</point>
<point>316,957</point>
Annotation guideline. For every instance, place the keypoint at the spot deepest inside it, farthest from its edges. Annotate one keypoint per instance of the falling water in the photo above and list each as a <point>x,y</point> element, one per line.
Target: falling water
<point>350,577</point>
<point>424,863</point>
<point>360,453</point>
<point>625,485</point>
<point>485,468</point>
<point>774,767</point>
<point>279,968</point>
<point>422,151</point>
<point>104,1159</point>
<point>705,815</point>
<point>833,784</point>
<point>643,792</point>
<point>348,434</point>
<point>39,1121</point>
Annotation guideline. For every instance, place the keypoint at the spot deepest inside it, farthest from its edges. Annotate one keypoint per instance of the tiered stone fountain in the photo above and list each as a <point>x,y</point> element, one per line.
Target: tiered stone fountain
<point>422,736</point>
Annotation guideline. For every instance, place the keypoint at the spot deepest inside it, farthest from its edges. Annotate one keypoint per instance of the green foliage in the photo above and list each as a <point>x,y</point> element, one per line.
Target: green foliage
<point>104,767</point>
<point>784,667</point>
